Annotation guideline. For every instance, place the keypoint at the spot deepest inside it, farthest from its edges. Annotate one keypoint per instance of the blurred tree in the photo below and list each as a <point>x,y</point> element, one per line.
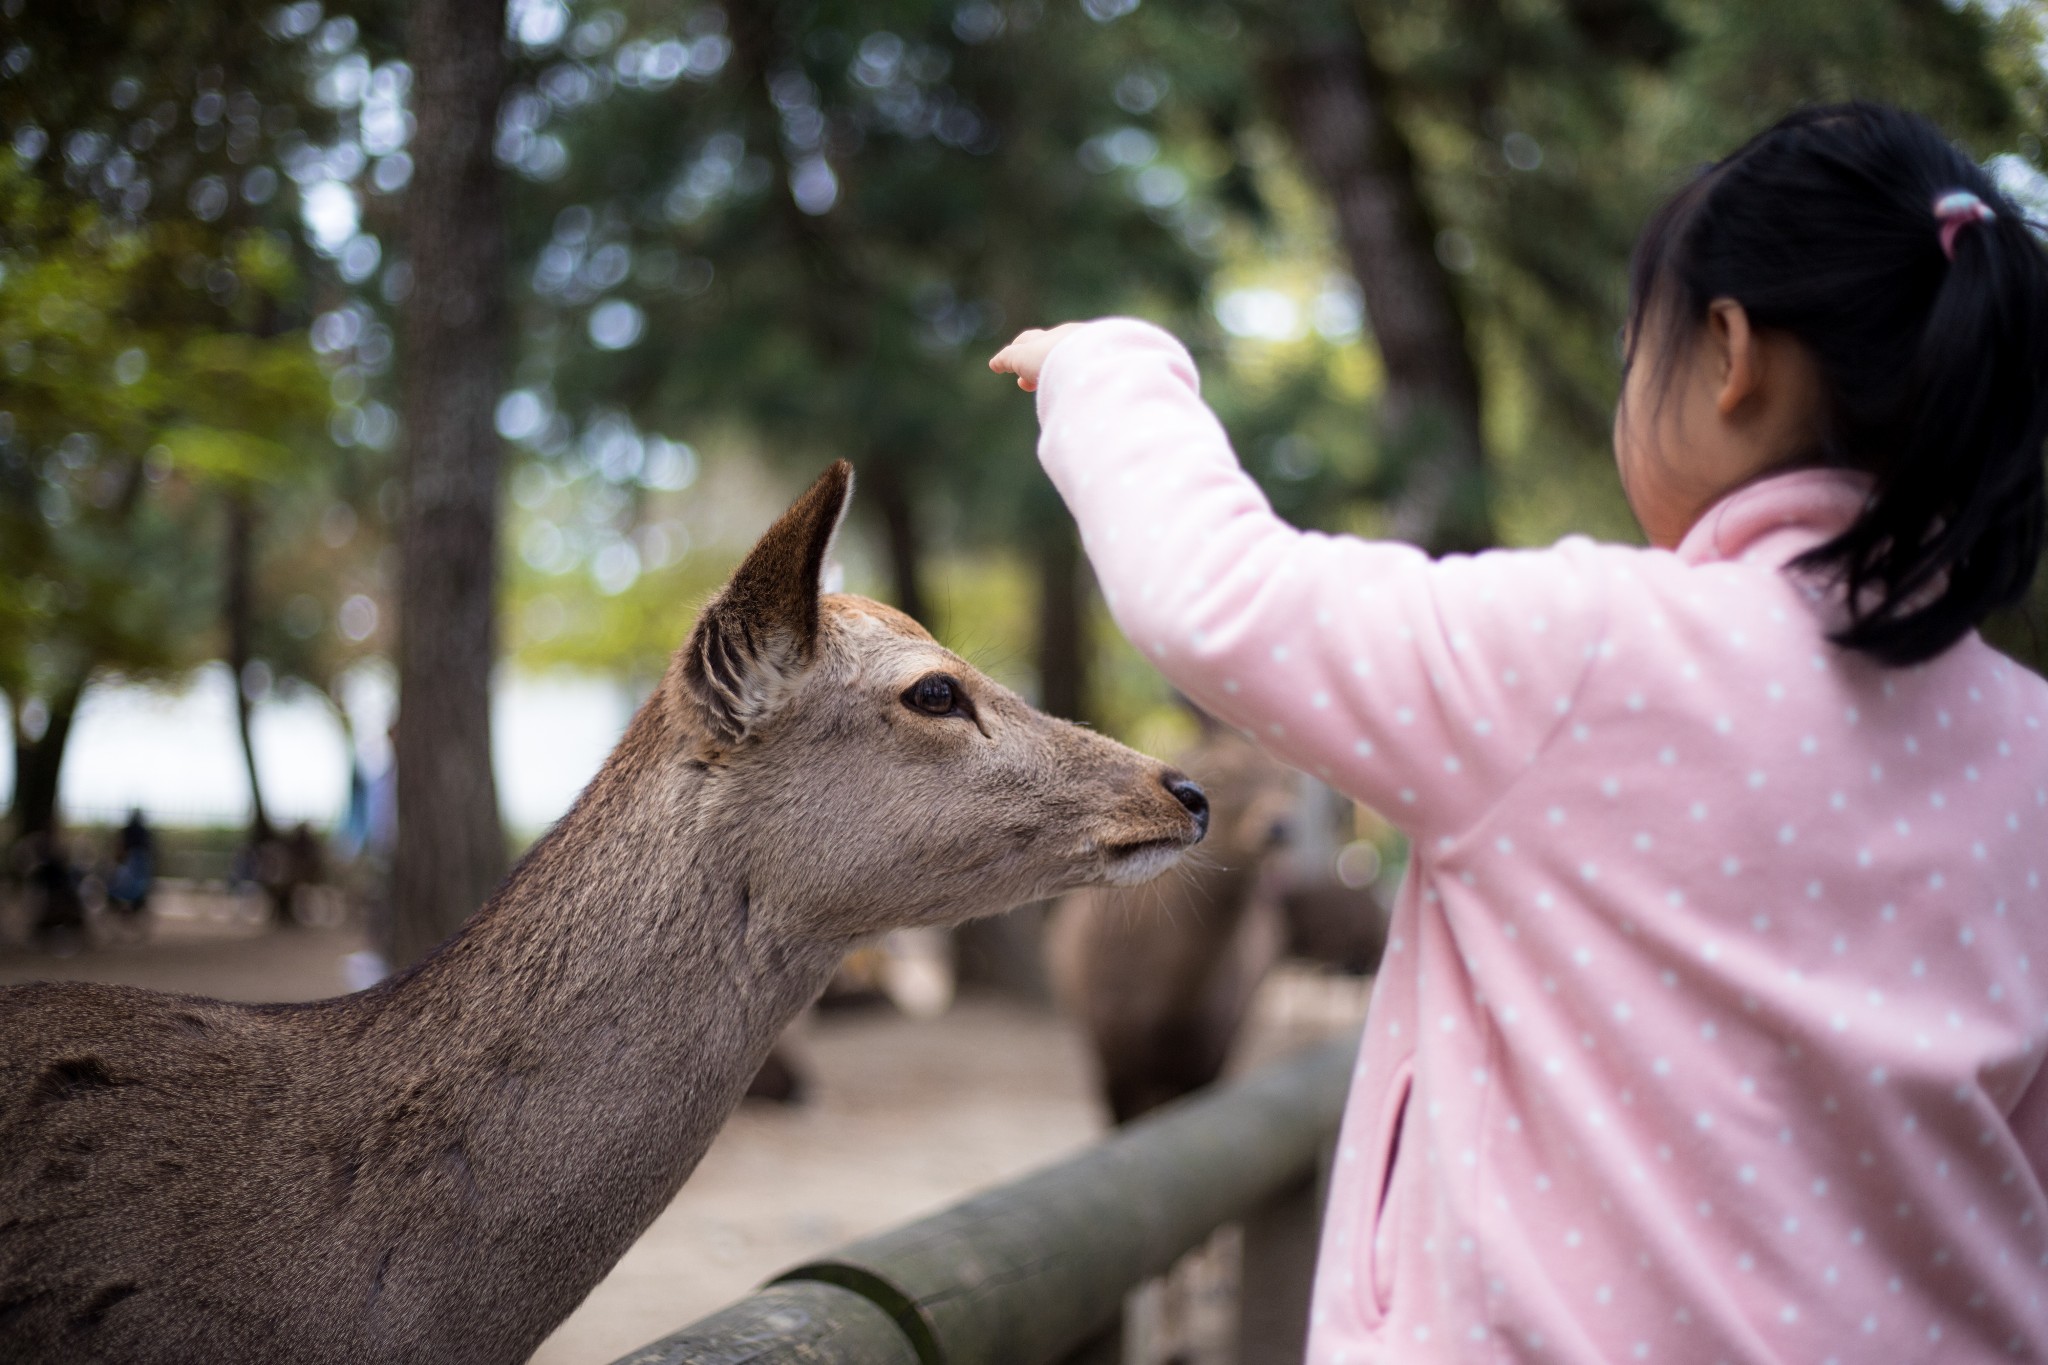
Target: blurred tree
<point>1335,102</point>
<point>1544,135</point>
<point>817,220</point>
<point>129,405</point>
<point>1355,90</point>
<point>153,277</point>
<point>1536,137</point>
<point>451,845</point>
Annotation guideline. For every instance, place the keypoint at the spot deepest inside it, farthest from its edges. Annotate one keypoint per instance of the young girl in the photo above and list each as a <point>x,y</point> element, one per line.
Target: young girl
<point>1712,1019</point>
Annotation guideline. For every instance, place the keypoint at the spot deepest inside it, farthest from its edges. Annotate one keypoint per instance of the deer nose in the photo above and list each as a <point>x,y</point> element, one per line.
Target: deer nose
<point>1191,797</point>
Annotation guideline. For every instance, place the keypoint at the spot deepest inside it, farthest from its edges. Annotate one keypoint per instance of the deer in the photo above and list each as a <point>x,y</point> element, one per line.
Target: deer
<point>441,1167</point>
<point>1161,977</point>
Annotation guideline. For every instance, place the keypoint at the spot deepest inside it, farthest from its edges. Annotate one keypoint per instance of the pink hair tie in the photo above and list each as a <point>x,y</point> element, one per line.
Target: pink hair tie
<point>1956,210</point>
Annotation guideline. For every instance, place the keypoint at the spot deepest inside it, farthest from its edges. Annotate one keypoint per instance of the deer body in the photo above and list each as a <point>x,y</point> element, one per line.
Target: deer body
<point>1161,977</point>
<point>442,1167</point>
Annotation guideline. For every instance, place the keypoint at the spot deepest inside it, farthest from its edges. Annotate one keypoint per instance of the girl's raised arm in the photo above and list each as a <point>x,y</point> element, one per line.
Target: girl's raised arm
<point>1419,687</point>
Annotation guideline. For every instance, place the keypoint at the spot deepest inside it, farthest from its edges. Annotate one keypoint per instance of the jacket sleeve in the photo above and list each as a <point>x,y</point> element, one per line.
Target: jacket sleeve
<point>1419,687</point>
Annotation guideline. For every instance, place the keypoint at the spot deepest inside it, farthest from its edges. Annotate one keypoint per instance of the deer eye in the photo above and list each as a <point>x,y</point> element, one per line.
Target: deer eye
<point>935,694</point>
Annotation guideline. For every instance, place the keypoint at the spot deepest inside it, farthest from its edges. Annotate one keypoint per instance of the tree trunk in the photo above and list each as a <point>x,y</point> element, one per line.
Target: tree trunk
<point>1062,622</point>
<point>840,304</point>
<point>240,611</point>
<point>7,829</point>
<point>884,481</point>
<point>39,761</point>
<point>451,846</point>
<point>1332,97</point>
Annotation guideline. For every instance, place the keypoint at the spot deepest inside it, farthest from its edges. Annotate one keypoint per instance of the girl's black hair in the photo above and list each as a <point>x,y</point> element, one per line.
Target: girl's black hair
<point>1935,370</point>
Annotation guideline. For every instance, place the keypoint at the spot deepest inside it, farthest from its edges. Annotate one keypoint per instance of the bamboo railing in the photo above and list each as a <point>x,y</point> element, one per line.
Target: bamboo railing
<point>1032,1272</point>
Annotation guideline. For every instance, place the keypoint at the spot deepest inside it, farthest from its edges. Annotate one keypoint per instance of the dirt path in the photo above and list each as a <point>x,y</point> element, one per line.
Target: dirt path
<point>202,943</point>
<point>904,1117</point>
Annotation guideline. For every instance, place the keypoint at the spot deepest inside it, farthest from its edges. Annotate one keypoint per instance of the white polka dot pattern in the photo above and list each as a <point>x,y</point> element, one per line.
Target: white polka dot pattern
<point>1713,1014</point>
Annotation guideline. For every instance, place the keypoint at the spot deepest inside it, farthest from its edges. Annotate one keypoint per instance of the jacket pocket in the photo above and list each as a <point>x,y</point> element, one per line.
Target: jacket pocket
<point>1383,1230</point>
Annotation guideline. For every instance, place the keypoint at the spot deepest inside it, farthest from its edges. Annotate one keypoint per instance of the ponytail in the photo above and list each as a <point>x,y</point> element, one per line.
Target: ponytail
<point>1923,298</point>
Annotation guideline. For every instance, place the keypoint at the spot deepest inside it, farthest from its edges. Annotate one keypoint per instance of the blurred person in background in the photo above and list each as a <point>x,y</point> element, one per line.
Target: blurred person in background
<point>134,872</point>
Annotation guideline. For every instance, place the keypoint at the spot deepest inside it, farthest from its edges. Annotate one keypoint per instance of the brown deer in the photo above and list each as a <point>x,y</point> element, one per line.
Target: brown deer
<point>1160,977</point>
<point>439,1168</point>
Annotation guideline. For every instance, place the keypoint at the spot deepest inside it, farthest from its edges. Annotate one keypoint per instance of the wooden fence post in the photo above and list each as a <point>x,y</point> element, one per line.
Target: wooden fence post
<point>1036,1272</point>
<point>1278,1271</point>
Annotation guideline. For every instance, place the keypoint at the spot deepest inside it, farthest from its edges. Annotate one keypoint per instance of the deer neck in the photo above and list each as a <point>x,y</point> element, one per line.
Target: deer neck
<point>567,1060</point>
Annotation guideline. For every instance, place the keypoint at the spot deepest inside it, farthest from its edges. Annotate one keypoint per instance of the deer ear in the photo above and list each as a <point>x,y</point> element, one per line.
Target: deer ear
<point>758,635</point>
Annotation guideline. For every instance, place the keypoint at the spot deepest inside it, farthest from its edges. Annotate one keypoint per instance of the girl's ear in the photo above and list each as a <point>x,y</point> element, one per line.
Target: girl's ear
<point>1734,351</point>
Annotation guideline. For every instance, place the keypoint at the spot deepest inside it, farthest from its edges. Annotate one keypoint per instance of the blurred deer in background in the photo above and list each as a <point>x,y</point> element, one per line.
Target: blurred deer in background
<point>441,1167</point>
<point>1161,977</point>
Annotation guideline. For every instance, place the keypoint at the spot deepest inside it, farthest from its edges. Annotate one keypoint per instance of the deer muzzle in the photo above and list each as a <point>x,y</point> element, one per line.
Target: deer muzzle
<point>1141,860</point>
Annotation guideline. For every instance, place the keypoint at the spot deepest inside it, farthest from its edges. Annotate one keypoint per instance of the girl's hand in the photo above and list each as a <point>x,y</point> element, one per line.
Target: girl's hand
<point>1025,356</point>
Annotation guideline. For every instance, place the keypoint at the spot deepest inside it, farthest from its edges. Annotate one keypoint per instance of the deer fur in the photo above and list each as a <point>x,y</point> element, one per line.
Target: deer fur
<point>440,1168</point>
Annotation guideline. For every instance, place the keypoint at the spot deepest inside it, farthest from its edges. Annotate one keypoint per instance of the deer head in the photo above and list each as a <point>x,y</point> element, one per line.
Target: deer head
<point>860,775</point>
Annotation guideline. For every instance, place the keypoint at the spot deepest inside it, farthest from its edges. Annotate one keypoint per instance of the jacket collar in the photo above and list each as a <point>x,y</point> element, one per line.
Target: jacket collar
<point>1775,520</point>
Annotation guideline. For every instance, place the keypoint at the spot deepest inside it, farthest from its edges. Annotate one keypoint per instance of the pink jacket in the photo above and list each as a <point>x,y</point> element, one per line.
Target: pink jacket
<point>1713,1014</point>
